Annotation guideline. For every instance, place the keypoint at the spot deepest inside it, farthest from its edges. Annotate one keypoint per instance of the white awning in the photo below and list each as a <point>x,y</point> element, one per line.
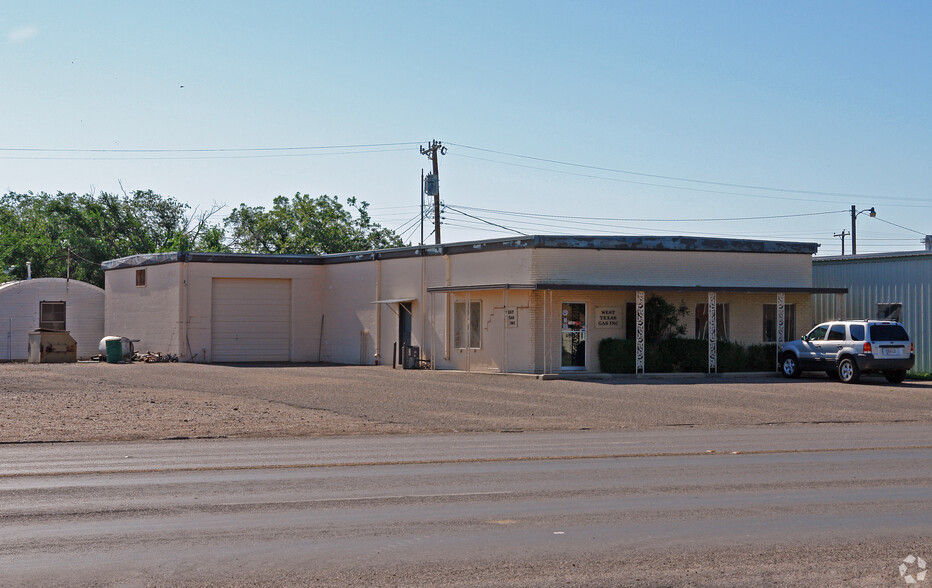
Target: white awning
<point>393,300</point>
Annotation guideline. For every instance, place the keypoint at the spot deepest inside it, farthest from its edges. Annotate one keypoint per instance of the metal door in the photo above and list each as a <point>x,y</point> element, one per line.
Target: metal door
<point>810,353</point>
<point>833,343</point>
<point>250,320</point>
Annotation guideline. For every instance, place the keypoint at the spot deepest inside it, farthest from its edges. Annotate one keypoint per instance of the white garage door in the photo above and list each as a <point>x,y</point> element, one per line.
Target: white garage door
<point>251,320</point>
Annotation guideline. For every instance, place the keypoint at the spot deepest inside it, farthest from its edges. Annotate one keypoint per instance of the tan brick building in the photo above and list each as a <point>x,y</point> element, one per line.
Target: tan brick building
<point>533,305</point>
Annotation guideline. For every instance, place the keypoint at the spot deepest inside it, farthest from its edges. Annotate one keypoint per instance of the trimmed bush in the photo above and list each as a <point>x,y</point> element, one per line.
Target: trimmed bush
<point>617,356</point>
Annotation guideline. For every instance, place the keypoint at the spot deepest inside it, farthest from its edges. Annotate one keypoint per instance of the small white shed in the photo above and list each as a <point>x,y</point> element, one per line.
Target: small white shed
<point>53,303</point>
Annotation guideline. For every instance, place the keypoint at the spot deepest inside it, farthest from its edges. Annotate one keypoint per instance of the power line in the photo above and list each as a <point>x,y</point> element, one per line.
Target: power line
<point>447,206</point>
<point>196,157</point>
<point>218,150</point>
<point>900,226</point>
<point>684,188</point>
<point>678,179</point>
<point>403,225</point>
<point>651,220</point>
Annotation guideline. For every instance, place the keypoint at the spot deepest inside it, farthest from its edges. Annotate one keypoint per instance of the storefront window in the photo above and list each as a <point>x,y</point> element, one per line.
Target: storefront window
<point>467,325</point>
<point>770,323</point>
<point>702,321</point>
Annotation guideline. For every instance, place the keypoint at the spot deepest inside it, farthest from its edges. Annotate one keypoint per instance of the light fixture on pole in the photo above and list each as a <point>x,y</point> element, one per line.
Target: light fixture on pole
<point>854,228</point>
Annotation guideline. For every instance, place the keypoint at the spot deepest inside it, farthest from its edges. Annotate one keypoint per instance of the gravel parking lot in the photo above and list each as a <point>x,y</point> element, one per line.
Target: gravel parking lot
<point>90,401</point>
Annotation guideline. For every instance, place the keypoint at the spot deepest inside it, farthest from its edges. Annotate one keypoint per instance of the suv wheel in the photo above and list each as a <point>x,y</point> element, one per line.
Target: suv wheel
<point>789,365</point>
<point>848,371</point>
<point>895,376</point>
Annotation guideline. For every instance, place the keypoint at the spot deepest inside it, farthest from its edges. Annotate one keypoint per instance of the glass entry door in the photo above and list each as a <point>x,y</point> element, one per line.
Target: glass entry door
<point>574,336</point>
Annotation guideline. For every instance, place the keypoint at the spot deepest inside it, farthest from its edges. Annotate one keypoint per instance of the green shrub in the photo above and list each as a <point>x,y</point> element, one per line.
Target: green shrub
<point>617,356</point>
<point>762,357</point>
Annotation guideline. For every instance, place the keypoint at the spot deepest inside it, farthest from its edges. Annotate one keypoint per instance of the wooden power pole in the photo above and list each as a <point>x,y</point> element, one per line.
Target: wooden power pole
<point>432,154</point>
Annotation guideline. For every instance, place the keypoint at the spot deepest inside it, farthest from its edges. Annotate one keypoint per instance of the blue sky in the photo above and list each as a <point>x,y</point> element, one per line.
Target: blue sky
<point>716,110</point>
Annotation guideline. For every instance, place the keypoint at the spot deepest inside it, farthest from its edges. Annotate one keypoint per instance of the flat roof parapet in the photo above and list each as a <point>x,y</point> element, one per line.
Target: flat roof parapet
<point>615,242</point>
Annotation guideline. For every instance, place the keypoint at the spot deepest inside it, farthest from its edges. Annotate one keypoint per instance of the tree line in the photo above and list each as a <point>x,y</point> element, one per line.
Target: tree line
<point>67,234</point>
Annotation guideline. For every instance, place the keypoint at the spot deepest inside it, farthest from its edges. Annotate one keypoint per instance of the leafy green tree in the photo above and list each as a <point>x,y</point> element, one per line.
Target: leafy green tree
<point>303,224</point>
<point>662,319</point>
<point>67,234</point>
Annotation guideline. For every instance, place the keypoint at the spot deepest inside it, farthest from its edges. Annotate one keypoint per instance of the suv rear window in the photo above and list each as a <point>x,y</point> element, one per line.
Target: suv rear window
<point>888,333</point>
<point>857,332</point>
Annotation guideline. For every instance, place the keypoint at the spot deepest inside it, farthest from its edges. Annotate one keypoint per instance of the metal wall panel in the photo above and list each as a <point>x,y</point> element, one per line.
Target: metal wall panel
<point>872,279</point>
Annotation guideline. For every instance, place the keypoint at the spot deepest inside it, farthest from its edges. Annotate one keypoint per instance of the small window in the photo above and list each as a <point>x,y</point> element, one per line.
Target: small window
<point>836,333</point>
<point>890,311</point>
<point>52,315</point>
<point>467,323</point>
<point>721,322</point>
<point>770,322</point>
<point>857,332</point>
<point>818,333</point>
<point>140,278</point>
<point>631,320</point>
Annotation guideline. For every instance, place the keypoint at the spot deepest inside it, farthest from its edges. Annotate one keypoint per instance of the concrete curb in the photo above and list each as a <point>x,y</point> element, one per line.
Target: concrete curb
<point>660,376</point>
<point>599,376</point>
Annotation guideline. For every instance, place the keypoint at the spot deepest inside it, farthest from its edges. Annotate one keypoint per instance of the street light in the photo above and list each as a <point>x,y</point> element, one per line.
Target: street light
<point>854,227</point>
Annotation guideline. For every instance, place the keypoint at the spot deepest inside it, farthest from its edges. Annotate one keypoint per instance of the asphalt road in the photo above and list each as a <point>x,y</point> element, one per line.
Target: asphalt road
<point>808,505</point>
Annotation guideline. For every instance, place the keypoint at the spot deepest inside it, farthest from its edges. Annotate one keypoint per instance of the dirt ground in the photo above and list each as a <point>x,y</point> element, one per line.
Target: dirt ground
<point>96,402</point>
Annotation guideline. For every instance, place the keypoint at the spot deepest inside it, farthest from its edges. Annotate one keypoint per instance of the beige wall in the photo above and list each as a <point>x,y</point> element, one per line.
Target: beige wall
<point>155,314</point>
<point>502,348</point>
<point>166,315</point>
<point>150,314</point>
<point>492,267</point>
<point>347,305</point>
<point>672,268</point>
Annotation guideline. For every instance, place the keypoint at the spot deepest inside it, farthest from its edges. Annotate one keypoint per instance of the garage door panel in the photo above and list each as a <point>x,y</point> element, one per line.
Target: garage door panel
<point>251,320</point>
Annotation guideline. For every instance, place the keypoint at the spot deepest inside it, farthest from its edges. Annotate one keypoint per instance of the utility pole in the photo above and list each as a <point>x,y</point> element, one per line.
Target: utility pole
<point>422,207</point>
<point>854,226</point>
<point>842,234</point>
<point>432,154</point>
<point>854,231</point>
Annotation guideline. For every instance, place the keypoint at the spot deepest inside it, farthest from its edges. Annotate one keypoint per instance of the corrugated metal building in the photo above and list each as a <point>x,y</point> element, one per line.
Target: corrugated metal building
<point>54,303</point>
<point>876,282</point>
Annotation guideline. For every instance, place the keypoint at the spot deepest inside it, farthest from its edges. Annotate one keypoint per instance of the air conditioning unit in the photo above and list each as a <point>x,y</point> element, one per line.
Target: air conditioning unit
<point>411,357</point>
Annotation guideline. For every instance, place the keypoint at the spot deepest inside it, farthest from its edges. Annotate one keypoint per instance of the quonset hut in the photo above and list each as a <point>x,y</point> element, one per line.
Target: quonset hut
<point>50,303</point>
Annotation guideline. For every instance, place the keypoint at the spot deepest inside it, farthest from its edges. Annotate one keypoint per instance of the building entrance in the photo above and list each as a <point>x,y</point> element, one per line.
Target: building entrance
<point>574,336</point>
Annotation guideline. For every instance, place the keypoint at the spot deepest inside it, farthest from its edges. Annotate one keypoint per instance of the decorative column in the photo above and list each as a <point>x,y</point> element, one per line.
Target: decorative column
<point>781,323</point>
<point>639,338</point>
<point>713,334</point>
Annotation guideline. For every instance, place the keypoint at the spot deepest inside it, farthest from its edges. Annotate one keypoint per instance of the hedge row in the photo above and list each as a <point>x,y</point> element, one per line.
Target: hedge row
<point>616,356</point>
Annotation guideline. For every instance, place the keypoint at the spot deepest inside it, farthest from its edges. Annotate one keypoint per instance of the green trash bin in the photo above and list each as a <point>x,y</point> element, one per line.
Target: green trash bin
<point>115,351</point>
